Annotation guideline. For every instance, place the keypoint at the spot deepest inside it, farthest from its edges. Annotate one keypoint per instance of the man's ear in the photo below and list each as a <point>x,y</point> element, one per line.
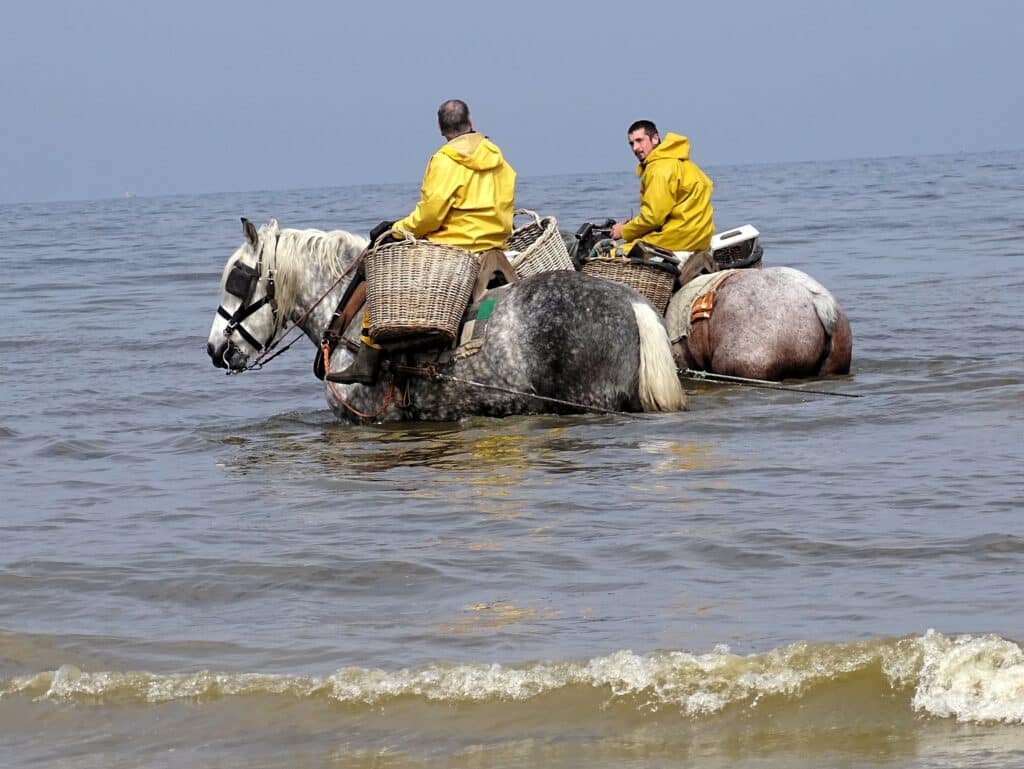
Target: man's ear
<point>655,139</point>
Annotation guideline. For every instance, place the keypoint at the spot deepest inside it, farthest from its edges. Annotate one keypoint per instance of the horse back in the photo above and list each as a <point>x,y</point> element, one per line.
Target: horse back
<point>767,324</point>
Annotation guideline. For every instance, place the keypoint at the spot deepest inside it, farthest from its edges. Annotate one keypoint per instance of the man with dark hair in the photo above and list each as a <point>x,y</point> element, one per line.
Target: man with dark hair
<point>467,199</point>
<point>675,195</point>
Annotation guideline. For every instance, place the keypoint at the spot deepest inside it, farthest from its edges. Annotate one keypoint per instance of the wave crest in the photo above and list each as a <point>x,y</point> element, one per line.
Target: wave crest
<point>970,678</point>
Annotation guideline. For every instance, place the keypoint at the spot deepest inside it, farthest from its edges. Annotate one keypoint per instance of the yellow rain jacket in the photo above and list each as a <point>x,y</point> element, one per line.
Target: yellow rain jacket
<point>467,197</point>
<point>675,200</point>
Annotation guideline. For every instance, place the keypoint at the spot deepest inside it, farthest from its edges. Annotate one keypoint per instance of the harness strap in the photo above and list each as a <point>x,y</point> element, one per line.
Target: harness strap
<point>351,303</point>
<point>245,310</point>
<point>704,304</point>
<point>235,323</point>
<point>345,315</point>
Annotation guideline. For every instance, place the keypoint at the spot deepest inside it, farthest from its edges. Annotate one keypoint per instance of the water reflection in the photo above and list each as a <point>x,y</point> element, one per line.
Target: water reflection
<point>493,451</point>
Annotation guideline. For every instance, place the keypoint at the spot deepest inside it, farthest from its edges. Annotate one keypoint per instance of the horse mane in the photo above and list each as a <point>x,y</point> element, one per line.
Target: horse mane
<point>302,251</point>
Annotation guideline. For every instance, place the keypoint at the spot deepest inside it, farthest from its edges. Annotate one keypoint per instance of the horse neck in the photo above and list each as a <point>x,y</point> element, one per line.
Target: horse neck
<point>317,280</point>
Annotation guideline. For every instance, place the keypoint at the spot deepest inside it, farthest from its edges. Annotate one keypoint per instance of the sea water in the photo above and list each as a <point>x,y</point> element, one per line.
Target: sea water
<point>199,570</point>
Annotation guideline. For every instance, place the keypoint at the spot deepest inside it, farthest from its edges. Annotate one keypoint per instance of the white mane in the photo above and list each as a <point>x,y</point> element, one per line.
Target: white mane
<point>300,252</point>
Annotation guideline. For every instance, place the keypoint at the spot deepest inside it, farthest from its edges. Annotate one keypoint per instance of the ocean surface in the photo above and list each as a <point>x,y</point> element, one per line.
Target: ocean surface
<point>208,571</point>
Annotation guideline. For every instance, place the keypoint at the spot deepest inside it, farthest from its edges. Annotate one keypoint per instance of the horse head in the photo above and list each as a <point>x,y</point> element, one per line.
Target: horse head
<point>276,277</point>
<point>247,320</point>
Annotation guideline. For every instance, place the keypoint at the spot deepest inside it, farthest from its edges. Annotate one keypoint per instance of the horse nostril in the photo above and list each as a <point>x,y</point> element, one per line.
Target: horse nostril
<point>216,353</point>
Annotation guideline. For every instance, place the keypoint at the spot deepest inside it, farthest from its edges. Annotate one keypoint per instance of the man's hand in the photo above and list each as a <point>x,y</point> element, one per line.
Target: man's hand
<point>380,229</point>
<point>617,230</point>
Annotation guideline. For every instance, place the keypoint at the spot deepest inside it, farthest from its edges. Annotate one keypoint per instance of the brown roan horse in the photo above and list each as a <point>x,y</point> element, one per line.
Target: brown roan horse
<point>770,323</point>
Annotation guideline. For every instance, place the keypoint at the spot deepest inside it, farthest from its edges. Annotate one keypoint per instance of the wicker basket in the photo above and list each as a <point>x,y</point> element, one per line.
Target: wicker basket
<point>654,282</point>
<point>540,246</point>
<point>416,287</point>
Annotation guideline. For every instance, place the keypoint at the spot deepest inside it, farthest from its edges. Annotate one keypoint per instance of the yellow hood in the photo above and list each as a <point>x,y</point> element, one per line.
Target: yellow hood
<point>474,151</point>
<point>672,147</point>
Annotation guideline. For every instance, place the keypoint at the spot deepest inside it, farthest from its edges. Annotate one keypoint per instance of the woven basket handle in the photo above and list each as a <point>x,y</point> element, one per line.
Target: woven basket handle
<point>402,235</point>
<point>527,212</point>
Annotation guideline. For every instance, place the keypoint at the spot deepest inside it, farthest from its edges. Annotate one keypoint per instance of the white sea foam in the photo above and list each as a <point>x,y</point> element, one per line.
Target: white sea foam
<point>973,679</point>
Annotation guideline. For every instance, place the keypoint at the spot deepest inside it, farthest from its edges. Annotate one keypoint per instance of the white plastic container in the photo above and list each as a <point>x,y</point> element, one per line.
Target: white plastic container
<point>736,248</point>
<point>732,237</point>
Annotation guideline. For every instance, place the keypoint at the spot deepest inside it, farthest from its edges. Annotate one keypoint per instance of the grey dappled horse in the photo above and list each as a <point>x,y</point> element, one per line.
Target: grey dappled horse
<point>579,342</point>
<point>770,323</point>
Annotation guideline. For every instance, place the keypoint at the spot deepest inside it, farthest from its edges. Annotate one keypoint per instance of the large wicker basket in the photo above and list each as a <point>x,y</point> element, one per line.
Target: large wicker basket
<point>540,246</point>
<point>651,279</point>
<point>415,287</point>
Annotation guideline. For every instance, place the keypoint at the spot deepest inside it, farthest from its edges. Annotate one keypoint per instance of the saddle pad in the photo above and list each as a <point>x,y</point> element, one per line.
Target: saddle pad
<point>474,322</point>
<point>691,297</point>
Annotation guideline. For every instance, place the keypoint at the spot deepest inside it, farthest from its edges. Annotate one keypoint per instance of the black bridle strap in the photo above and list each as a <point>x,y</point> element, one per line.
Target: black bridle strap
<point>245,310</point>
<point>235,323</point>
<point>265,349</point>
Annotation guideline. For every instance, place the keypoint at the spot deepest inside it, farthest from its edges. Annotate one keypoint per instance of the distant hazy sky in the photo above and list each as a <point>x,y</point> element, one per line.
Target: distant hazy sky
<point>100,98</point>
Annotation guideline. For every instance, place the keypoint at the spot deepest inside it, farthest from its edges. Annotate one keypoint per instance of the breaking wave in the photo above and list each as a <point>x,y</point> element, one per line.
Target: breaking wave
<point>969,678</point>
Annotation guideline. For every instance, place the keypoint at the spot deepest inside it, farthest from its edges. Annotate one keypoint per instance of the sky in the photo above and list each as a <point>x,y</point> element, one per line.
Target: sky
<point>101,99</point>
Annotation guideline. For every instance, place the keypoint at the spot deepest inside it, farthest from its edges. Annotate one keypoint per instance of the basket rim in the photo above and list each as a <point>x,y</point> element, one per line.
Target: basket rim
<point>409,240</point>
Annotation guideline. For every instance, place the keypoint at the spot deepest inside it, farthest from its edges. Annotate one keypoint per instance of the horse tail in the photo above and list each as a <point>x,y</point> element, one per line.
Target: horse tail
<point>825,305</point>
<point>835,357</point>
<point>659,383</point>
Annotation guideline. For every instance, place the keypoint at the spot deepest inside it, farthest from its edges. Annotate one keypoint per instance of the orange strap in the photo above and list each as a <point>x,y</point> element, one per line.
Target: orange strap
<point>341,399</point>
<point>704,304</point>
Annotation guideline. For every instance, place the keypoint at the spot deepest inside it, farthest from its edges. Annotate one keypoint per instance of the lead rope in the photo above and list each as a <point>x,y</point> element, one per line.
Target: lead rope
<point>767,384</point>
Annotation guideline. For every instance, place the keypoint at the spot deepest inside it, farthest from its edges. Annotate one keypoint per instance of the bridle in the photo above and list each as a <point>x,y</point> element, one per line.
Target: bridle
<point>241,282</point>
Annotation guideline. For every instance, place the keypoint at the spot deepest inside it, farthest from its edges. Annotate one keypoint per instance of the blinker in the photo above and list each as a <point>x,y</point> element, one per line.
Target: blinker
<point>241,280</point>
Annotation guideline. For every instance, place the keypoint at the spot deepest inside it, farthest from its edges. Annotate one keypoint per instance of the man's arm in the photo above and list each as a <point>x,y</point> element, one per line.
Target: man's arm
<point>437,194</point>
<point>655,206</point>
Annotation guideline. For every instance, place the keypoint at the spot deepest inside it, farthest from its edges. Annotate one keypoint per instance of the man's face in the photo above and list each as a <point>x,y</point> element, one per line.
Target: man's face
<point>642,144</point>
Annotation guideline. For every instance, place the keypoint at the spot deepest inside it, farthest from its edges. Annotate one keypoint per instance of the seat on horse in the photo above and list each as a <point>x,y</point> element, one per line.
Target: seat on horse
<point>495,270</point>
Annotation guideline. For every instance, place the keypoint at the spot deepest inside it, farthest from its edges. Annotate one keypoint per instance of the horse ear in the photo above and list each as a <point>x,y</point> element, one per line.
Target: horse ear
<point>249,230</point>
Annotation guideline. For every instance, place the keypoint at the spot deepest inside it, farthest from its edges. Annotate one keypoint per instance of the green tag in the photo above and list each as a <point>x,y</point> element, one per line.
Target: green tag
<point>485,309</point>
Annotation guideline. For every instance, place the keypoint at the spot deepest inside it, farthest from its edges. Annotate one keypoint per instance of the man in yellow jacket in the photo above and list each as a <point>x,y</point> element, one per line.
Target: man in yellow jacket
<point>675,195</point>
<point>468,193</point>
<point>467,199</point>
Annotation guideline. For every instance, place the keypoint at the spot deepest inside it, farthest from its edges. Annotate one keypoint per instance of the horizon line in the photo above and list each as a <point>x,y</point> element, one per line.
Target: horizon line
<point>129,195</point>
